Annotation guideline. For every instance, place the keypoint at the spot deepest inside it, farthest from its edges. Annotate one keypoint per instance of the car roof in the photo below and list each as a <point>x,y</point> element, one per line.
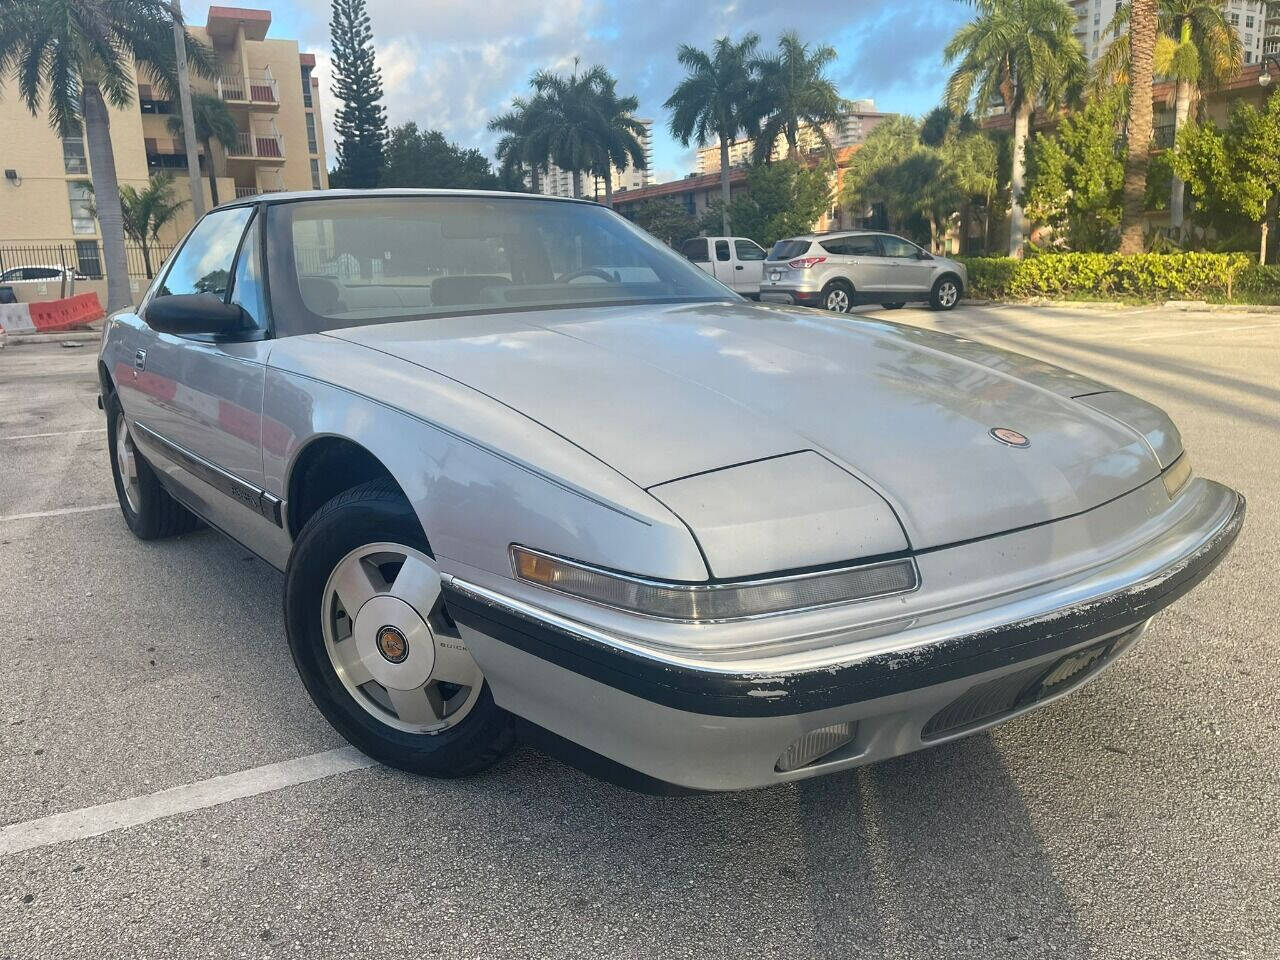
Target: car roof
<point>294,196</point>
<point>811,237</point>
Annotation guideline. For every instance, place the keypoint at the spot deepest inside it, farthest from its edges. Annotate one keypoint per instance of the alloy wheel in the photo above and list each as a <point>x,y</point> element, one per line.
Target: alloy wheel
<point>838,300</point>
<point>127,464</point>
<point>391,643</point>
<point>948,293</point>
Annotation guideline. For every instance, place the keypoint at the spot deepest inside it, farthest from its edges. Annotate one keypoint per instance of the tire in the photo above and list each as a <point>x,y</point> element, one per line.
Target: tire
<point>894,306</point>
<point>148,508</point>
<point>837,296</point>
<point>368,518</point>
<point>946,293</point>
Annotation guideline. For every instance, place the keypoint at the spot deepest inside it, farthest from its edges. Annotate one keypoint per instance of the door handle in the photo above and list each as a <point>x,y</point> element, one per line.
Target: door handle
<point>739,267</point>
<point>140,360</point>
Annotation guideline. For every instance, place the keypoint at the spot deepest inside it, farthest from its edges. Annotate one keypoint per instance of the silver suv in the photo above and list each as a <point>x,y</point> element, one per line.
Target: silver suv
<point>837,270</point>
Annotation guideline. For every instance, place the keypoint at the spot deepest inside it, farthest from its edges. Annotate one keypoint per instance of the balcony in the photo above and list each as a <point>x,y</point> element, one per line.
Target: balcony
<point>268,147</point>
<point>259,89</point>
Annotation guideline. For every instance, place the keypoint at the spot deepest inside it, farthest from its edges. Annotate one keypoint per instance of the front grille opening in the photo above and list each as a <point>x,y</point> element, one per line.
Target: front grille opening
<point>985,702</point>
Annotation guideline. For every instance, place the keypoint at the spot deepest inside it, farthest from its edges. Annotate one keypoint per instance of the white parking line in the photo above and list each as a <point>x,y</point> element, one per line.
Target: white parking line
<point>95,821</point>
<point>1199,332</point>
<point>58,433</point>
<point>59,513</point>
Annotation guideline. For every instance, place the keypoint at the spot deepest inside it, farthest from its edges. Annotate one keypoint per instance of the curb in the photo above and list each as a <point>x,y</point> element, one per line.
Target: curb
<point>70,336</point>
<point>1111,306</point>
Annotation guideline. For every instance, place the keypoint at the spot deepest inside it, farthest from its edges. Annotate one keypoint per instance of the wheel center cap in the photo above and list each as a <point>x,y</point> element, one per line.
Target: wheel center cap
<point>392,644</point>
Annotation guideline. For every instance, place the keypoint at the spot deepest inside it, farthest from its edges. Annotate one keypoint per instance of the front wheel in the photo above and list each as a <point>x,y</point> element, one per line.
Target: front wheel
<point>374,642</point>
<point>837,296</point>
<point>946,294</point>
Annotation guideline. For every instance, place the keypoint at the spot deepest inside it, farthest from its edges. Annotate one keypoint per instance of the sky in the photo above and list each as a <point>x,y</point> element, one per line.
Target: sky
<point>453,65</point>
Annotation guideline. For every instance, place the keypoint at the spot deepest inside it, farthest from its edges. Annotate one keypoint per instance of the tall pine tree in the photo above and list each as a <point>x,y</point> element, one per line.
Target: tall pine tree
<point>360,123</point>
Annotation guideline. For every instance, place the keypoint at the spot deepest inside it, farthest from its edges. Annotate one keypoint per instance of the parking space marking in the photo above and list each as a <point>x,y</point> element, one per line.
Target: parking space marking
<point>59,513</point>
<point>57,433</point>
<point>95,821</point>
<point>1168,334</point>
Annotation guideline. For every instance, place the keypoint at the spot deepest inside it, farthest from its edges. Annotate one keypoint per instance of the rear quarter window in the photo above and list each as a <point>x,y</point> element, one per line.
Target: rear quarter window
<point>789,249</point>
<point>695,249</point>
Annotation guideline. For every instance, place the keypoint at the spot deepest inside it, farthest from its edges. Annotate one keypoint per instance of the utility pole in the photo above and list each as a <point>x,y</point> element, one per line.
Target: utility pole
<point>188,121</point>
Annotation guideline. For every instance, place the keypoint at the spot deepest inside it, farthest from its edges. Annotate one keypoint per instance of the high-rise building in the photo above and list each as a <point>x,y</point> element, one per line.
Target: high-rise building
<point>1271,30</point>
<point>555,182</point>
<point>854,124</point>
<point>1249,18</point>
<point>279,142</point>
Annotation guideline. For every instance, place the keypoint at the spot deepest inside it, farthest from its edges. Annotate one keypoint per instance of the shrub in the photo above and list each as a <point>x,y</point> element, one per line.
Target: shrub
<point>1149,276</point>
<point>1259,284</point>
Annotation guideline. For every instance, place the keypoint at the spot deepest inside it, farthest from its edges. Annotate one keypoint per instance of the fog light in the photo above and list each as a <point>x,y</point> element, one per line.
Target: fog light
<point>815,745</point>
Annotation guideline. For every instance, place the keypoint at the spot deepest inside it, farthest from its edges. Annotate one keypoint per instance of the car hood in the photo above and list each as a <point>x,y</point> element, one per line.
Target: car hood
<point>662,392</point>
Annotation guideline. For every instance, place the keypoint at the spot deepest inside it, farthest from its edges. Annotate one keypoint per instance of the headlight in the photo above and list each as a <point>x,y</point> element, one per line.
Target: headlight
<point>1176,477</point>
<point>709,602</point>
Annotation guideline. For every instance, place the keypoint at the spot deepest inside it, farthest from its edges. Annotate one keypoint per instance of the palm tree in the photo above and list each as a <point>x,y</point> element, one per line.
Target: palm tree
<point>1024,54</point>
<point>148,211</point>
<point>1142,42</point>
<point>73,58</point>
<point>794,90</point>
<point>515,149</point>
<point>565,119</point>
<point>213,121</point>
<point>1195,47</point>
<point>620,135</point>
<point>715,99</point>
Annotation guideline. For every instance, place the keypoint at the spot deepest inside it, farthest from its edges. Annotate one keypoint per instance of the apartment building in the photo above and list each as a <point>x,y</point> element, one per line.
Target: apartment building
<point>555,182</point>
<point>852,128</point>
<point>45,200</point>
<point>1249,18</point>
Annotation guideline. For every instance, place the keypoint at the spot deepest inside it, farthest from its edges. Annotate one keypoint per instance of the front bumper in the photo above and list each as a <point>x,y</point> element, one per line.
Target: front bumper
<point>717,725</point>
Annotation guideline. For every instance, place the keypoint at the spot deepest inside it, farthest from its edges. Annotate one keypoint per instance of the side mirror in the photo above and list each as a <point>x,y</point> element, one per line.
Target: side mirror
<point>924,255</point>
<point>186,314</point>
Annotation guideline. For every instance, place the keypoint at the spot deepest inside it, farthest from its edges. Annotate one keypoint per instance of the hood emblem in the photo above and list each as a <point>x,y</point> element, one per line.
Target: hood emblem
<point>1009,437</point>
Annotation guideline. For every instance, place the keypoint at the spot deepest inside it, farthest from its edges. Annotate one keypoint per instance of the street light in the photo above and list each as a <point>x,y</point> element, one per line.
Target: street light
<point>1265,78</point>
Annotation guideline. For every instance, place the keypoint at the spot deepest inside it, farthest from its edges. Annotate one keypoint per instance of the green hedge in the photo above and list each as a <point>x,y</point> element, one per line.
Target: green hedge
<point>1149,276</point>
<point>1258,284</point>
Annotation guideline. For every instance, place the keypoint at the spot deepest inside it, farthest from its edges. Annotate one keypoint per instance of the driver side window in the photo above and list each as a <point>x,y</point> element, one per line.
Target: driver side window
<point>204,263</point>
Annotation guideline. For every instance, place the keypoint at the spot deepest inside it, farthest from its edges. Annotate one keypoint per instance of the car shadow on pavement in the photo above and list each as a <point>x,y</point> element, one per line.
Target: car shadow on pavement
<point>933,854</point>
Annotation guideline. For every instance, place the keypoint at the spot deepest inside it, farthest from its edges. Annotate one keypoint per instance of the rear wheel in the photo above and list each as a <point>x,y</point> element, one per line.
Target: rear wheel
<point>148,509</point>
<point>374,642</point>
<point>946,293</point>
<point>837,296</point>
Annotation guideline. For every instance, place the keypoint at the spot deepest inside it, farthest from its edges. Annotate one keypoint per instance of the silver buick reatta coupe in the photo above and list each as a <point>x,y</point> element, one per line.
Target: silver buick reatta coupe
<point>529,473</point>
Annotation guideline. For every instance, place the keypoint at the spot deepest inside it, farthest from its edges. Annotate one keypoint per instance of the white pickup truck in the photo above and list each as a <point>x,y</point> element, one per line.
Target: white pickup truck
<point>737,262</point>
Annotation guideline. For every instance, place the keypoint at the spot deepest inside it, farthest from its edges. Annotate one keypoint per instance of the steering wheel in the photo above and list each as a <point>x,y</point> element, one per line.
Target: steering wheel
<point>588,272</point>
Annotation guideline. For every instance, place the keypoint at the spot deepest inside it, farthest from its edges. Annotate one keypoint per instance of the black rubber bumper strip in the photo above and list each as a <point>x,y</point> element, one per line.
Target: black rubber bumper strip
<point>747,695</point>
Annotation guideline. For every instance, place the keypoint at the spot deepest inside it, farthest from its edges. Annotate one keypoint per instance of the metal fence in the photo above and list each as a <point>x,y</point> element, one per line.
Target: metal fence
<point>83,256</point>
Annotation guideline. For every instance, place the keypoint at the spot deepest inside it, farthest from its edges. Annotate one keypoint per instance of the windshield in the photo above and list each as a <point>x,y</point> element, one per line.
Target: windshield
<point>362,260</point>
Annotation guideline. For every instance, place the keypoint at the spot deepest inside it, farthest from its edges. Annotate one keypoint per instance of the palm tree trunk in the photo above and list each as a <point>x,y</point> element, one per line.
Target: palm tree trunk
<point>577,184</point>
<point>724,184</point>
<point>213,178</point>
<point>1142,41</point>
<point>966,218</point>
<point>608,187</point>
<point>1181,108</point>
<point>106,196</point>
<point>1018,218</point>
<point>534,180</point>
<point>146,255</point>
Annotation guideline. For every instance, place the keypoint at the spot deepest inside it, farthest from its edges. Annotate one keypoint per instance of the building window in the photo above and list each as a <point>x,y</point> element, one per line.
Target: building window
<point>1248,56</point>
<point>311,133</point>
<point>315,174</point>
<point>1235,19</point>
<point>73,160</point>
<point>81,199</point>
<point>1248,23</point>
<point>306,87</point>
<point>88,259</point>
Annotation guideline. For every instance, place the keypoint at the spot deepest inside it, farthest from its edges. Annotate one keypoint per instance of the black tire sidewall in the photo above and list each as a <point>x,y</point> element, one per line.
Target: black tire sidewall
<point>143,522</point>
<point>351,520</point>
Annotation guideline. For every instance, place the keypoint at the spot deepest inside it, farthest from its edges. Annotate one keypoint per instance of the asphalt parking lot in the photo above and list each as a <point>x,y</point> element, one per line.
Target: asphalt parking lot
<point>1138,818</point>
